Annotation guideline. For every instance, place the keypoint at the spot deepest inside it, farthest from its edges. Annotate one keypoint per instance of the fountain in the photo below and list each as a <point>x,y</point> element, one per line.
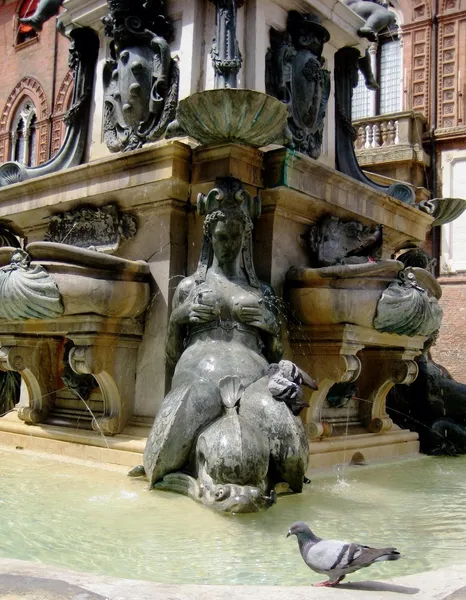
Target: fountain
<point>219,300</point>
<point>229,228</point>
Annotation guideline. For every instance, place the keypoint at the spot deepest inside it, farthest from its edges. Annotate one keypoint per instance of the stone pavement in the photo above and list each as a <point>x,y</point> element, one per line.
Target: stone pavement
<point>34,581</point>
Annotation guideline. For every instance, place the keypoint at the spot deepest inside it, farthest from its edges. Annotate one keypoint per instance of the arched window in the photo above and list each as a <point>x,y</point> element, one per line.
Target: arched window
<point>23,143</point>
<point>25,33</point>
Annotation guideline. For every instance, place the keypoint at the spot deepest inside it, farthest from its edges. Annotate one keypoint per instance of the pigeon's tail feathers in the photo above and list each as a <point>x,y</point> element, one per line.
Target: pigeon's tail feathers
<point>365,555</point>
<point>391,554</point>
<point>231,390</point>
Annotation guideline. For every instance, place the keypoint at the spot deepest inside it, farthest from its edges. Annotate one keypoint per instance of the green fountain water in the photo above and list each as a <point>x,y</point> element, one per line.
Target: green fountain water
<point>104,522</point>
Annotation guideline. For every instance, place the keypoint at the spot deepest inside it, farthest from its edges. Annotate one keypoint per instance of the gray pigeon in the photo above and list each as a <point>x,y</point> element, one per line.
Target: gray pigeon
<point>285,381</point>
<point>335,558</point>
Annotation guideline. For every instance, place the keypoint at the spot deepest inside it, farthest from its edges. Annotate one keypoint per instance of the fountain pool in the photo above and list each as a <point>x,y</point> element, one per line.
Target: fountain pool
<point>101,521</point>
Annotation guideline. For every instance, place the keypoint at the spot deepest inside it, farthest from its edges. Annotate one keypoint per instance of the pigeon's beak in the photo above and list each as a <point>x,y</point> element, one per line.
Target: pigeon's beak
<point>307,380</point>
<point>289,533</point>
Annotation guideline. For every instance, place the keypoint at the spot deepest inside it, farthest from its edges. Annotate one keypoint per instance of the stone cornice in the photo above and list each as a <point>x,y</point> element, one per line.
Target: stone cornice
<point>392,154</point>
<point>319,190</point>
<point>409,27</point>
<point>153,175</point>
<point>449,133</point>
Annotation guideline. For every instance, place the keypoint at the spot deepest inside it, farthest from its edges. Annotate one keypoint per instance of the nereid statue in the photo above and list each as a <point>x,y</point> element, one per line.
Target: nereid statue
<point>220,435</point>
<point>295,74</point>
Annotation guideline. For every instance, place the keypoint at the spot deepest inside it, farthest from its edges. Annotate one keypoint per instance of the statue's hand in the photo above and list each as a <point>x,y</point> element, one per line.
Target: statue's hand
<point>250,312</point>
<point>204,309</point>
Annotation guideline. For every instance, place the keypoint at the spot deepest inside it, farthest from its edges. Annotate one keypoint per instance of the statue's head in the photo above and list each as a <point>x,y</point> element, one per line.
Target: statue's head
<point>307,32</point>
<point>20,259</point>
<point>229,211</point>
<point>227,231</point>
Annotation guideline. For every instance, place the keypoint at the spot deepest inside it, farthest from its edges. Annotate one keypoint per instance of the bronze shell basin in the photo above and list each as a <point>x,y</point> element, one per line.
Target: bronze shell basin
<point>346,293</point>
<point>233,115</point>
<point>91,282</point>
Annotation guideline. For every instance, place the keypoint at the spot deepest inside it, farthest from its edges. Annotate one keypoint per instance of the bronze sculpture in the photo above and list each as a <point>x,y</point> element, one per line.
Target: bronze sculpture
<point>434,405</point>
<point>46,9</point>
<point>295,74</point>
<point>223,328</point>
<point>376,15</point>
<point>140,79</point>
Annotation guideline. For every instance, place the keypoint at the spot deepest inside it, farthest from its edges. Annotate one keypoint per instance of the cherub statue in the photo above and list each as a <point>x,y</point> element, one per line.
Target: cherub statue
<point>376,15</point>
<point>46,9</point>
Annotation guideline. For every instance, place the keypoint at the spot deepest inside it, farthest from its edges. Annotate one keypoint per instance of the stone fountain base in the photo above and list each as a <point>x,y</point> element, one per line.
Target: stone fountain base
<point>154,183</point>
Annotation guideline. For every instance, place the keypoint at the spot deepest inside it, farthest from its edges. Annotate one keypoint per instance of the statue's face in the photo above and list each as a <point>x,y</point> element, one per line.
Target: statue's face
<point>227,240</point>
<point>311,42</point>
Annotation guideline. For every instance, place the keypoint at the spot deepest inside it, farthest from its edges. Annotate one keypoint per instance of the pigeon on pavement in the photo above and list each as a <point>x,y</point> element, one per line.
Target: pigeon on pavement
<point>335,558</point>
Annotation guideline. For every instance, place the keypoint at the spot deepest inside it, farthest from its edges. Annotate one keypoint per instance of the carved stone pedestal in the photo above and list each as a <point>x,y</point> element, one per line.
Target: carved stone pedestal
<point>382,369</point>
<point>350,353</point>
<point>33,357</point>
<point>111,359</point>
<point>105,348</point>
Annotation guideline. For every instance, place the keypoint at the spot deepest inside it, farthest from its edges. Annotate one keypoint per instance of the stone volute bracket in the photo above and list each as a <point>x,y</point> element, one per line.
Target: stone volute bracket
<point>380,372</point>
<point>345,353</point>
<point>109,359</point>
<point>329,363</point>
<point>33,358</point>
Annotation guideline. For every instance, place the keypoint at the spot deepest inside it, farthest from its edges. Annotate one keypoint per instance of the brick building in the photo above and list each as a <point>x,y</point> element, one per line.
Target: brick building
<point>35,86</point>
<point>413,128</point>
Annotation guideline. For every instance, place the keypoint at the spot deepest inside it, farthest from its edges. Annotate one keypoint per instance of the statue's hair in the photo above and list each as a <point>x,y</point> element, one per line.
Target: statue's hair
<point>227,215</point>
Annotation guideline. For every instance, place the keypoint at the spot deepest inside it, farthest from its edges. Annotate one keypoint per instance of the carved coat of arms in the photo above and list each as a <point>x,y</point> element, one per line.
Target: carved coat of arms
<point>296,75</point>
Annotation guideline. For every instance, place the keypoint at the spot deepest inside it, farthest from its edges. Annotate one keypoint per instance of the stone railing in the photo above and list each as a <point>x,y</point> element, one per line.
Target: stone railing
<point>391,145</point>
<point>404,128</point>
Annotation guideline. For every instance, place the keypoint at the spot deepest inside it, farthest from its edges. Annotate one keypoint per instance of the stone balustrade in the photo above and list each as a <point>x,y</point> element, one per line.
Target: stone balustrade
<point>391,145</point>
<point>398,129</point>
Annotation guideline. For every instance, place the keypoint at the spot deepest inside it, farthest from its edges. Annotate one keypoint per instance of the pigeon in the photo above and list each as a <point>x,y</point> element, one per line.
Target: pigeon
<point>369,245</point>
<point>335,558</point>
<point>285,380</point>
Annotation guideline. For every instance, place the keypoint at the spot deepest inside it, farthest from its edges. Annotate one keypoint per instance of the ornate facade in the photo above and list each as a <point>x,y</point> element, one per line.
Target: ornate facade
<point>425,142</point>
<point>38,73</point>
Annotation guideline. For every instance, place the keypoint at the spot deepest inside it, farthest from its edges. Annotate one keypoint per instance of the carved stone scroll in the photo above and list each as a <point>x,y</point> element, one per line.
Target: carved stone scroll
<point>34,358</point>
<point>101,228</point>
<point>381,370</point>
<point>109,359</point>
<point>331,360</point>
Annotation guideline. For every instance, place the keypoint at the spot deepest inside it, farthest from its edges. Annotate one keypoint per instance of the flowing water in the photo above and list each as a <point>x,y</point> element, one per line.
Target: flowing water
<point>103,522</point>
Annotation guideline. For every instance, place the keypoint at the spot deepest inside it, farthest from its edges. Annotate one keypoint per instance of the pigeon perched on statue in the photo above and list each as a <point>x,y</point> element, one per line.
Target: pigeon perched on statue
<point>369,245</point>
<point>336,558</point>
<point>285,381</point>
